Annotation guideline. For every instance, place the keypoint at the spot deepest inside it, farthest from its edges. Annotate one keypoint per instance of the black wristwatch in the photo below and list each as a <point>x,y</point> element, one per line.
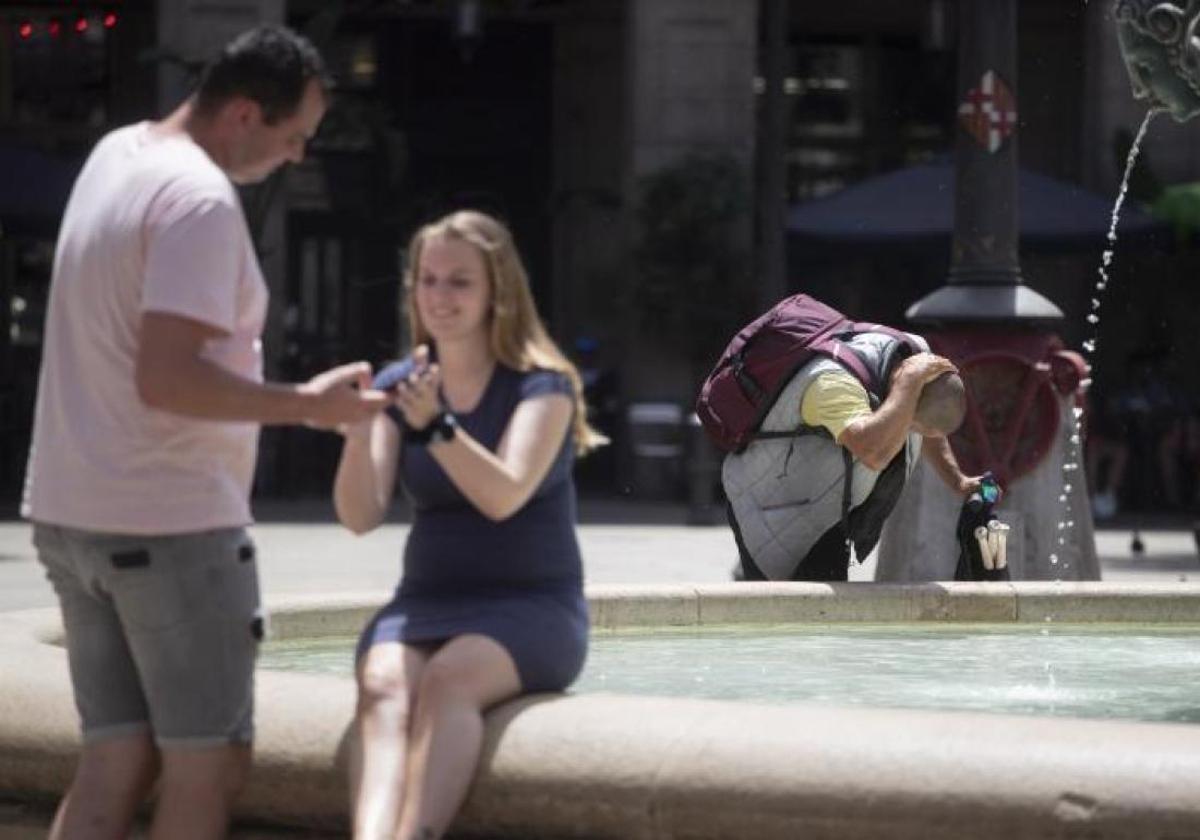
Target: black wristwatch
<point>439,430</point>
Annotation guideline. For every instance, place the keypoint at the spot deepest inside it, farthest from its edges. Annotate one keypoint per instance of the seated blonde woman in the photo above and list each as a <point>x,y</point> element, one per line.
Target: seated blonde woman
<point>486,422</point>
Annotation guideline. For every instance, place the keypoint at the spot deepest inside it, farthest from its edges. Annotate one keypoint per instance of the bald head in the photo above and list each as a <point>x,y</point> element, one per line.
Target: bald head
<point>942,405</point>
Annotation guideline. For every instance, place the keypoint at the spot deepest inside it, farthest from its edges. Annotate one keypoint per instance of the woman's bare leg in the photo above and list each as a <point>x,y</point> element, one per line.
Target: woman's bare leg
<point>387,679</point>
<point>465,677</point>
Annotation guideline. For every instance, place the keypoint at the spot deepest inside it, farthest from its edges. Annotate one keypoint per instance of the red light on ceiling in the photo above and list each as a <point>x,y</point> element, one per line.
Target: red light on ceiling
<point>110,20</point>
<point>54,27</point>
<point>25,30</point>
<point>81,25</point>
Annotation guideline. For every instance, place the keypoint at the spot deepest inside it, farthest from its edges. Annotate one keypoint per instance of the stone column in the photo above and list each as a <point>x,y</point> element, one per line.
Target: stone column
<point>690,68</point>
<point>689,73</point>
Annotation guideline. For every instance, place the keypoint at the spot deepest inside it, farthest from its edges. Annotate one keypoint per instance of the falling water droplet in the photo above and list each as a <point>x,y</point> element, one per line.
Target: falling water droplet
<point>1106,257</point>
<point>1089,345</point>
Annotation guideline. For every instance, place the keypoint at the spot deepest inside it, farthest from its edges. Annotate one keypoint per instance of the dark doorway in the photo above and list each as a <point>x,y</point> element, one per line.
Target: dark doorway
<point>434,125</point>
<point>478,124</point>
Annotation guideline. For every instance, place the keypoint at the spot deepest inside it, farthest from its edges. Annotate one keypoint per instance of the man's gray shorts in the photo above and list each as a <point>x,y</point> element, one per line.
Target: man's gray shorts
<point>162,631</point>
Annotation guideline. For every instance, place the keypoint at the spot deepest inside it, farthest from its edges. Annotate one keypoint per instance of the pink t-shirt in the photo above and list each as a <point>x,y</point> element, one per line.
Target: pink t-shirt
<point>152,225</point>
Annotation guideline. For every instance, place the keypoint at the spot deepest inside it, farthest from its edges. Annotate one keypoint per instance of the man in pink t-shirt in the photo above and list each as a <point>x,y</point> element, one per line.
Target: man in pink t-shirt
<point>149,405</point>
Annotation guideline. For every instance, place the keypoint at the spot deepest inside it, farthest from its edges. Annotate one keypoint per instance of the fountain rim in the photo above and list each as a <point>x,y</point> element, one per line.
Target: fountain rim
<point>646,606</point>
<point>600,765</point>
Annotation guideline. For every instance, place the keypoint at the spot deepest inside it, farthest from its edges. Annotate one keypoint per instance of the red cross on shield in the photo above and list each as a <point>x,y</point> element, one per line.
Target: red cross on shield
<point>989,112</point>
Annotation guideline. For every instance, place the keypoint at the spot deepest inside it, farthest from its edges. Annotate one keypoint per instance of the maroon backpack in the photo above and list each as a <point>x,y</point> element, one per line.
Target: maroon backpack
<point>765,355</point>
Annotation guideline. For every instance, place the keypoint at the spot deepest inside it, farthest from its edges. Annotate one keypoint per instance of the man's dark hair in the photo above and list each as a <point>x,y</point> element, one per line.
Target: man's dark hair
<point>942,404</point>
<point>270,65</point>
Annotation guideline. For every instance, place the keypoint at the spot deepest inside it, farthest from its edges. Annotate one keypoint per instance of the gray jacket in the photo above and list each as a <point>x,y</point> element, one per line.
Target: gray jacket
<point>786,493</point>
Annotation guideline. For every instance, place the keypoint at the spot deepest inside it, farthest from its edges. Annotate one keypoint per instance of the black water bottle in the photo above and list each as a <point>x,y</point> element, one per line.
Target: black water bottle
<point>976,512</point>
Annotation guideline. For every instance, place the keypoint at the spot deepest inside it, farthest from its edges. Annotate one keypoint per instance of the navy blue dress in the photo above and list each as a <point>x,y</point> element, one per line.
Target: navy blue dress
<point>518,581</point>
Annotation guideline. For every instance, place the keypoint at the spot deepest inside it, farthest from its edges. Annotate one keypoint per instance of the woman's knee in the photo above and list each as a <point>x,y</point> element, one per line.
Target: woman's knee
<point>383,688</point>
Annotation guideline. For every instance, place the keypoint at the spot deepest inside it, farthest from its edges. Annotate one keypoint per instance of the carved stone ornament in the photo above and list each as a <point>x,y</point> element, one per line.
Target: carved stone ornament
<point>1161,48</point>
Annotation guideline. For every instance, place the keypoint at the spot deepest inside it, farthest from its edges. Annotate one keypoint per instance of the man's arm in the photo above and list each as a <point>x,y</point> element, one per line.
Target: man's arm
<point>173,376</point>
<point>875,439</point>
<point>937,453</point>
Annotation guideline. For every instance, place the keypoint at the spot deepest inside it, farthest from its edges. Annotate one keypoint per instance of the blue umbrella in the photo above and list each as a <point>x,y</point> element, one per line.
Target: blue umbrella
<point>916,204</point>
<point>34,189</point>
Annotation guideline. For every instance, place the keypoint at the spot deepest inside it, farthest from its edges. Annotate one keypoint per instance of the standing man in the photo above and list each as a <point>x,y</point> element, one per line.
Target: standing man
<point>149,406</point>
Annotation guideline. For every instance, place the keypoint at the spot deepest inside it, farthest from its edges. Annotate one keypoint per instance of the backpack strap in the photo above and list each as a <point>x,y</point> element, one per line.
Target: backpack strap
<point>899,335</point>
<point>847,488</point>
<point>799,431</point>
<point>841,353</point>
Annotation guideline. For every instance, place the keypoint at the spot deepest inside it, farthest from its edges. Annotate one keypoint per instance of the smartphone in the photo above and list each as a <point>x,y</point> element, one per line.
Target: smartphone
<point>391,376</point>
<point>989,489</point>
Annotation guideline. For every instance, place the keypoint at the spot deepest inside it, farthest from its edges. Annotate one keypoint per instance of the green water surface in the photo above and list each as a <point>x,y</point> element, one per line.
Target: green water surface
<point>1141,672</point>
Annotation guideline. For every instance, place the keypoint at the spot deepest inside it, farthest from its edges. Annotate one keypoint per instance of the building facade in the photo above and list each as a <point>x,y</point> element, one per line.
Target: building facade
<point>560,116</point>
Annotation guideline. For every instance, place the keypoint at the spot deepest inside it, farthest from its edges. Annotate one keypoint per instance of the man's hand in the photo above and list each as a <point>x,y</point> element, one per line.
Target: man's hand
<point>342,396</point>
<point>922,368</point>
<point>968,484</point>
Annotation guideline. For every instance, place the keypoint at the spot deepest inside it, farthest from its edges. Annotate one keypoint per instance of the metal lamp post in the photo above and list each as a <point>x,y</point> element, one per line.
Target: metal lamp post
<point>1022,384</point>
<point>985,276</point>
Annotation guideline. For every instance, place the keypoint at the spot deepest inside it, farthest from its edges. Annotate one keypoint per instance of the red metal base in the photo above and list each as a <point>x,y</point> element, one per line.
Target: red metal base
<point>1014,382</point>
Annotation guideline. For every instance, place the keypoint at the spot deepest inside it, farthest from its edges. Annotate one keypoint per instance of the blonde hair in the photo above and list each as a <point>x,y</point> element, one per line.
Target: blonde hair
<point>517,337</point>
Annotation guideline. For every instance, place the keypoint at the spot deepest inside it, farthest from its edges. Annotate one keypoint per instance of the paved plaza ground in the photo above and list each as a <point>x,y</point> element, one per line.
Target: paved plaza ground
<point>304,551</point>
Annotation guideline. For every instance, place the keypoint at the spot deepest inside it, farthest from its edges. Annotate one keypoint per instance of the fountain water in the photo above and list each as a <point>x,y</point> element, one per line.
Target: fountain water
<point>1074,458</point>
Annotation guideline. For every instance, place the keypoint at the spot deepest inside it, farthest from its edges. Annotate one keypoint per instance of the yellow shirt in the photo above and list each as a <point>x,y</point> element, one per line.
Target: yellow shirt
<point>834,400</point>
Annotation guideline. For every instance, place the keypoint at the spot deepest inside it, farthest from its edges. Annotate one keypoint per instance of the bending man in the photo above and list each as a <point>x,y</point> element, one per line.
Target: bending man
<point>835,457</point>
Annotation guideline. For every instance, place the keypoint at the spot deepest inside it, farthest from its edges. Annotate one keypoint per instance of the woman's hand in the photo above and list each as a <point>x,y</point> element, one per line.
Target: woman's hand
<point>418,396</point>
